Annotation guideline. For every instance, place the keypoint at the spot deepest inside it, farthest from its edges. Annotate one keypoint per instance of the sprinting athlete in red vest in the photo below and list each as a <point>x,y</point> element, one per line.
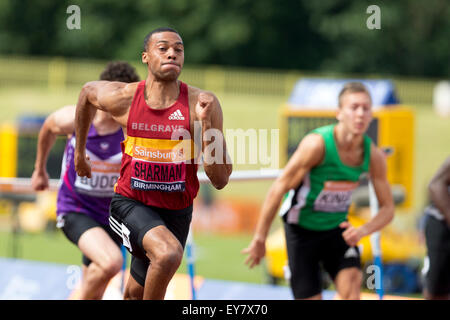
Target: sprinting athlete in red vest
<point>152,206</point>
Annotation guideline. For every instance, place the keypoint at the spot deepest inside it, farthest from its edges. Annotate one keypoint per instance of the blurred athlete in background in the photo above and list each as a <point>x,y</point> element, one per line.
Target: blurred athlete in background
<point>82,203</point>
<point>437,235</point>
<point>319,180</point>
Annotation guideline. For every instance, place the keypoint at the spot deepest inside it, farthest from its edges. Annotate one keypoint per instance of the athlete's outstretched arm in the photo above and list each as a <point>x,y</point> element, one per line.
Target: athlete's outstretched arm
<point>309,154</point>
<point>112,97</point>
<point>438,190</point>
<point>216,160</point>
<point>383,192</point>
<point>60,122</point>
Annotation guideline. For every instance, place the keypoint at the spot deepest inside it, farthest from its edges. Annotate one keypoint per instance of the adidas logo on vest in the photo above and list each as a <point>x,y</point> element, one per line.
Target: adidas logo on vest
<point>177,115</point>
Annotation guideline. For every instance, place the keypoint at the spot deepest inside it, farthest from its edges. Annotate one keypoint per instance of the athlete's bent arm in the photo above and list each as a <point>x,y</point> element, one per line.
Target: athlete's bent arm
<point>60,122</point>
<point>216,161</point>
<point>309,154</point>
<point>383,192</point>
<point>438,190</point>
<point>112,97</point>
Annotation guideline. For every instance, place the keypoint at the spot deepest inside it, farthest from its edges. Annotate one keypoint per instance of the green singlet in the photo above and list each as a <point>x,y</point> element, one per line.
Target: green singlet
<point>322,200</point>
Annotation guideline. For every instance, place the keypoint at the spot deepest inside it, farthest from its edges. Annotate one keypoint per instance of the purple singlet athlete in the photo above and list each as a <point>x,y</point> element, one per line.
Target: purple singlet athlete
<point>90,196</point>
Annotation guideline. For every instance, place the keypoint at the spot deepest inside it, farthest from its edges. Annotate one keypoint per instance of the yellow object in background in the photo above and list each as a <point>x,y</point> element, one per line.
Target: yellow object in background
<point>8,150</point>
<point>46,200</point>
<point>31,217</point>
<point>396,130</point>
<point>34,216</point>
<point>276,254</point>
<point>5,207</point>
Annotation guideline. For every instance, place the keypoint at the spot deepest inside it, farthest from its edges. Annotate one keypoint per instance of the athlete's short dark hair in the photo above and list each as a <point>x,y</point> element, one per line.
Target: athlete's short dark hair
<point>119,71</point>
<point>353,87</point>
<point>157,30</point>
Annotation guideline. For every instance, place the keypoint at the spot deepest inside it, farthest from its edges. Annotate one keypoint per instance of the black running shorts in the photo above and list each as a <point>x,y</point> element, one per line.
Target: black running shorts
<point>74,224</point>
<point>309,251</point>
<point>437,277</point>
<point>132,219</point>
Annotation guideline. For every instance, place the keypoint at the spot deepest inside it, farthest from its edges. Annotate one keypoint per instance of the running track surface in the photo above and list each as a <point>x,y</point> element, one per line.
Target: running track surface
<point>32,280</point>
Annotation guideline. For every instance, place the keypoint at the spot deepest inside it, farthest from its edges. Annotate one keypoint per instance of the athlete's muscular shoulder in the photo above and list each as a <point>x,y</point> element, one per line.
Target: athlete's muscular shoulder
<point>62,121</point>
<point>113,97</point>
<point>311,150</point>
<point>310,153</point>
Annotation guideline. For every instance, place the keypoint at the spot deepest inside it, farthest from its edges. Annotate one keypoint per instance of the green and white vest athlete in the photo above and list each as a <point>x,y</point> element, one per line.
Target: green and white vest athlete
<point>322,200</point>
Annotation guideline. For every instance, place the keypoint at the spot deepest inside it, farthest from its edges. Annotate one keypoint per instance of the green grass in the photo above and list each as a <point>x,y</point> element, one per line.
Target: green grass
<point>48,247</point>
<point>219,257</point>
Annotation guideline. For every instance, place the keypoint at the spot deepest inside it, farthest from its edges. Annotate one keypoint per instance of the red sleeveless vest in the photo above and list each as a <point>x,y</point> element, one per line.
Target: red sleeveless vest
<point>158,166</point>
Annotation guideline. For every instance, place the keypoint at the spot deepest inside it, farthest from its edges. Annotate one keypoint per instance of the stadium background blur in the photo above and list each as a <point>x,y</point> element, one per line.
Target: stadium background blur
<point>250,54</point>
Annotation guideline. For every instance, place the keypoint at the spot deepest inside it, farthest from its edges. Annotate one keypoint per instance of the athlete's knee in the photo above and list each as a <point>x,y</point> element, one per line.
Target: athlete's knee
<point>133,293</point>
<point>111,266</point>
<point>169,258</point>
<point>348,283</point>
<point>352,292</point>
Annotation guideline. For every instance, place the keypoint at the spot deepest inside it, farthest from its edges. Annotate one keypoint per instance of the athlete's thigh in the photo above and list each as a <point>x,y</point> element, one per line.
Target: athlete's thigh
<point>348,280</point>
<point>178,223</point>
<point>74,224</point>
<point>97,245</point>
<point>160,240</point>
<point>131,220</point>
<point>77,226</point>
<point>337,255</point>
<point>171,234</point>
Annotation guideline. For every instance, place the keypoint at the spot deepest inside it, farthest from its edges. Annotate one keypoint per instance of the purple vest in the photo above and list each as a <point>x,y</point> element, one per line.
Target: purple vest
<point>91,196</point>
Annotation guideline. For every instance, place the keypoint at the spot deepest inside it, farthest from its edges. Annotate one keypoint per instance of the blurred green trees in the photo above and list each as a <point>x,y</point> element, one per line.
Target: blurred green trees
<point>326,35</point>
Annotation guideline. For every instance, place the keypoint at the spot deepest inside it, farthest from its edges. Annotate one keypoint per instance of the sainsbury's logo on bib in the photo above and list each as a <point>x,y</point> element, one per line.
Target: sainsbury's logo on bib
<point>158,165</point>
<point>159,155</point>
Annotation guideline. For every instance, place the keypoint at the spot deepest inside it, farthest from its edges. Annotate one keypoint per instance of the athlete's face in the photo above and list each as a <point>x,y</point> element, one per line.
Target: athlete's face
<point>164,56</point>
<point>355,112</point>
